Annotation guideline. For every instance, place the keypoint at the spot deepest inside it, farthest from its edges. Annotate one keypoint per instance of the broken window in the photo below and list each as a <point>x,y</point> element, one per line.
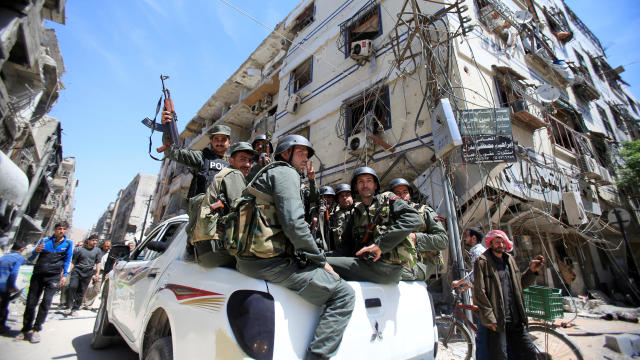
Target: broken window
<point>606,123</point>
<point>301,76</point>
<point>305,18</point>
<point>365,24</point>
<point>595,63</point>
<point>558,24</point>
<point>370,111</point>
<point>508,94</point>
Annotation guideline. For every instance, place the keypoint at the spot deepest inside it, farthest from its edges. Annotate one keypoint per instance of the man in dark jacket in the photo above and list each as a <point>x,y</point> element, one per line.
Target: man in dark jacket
<point>497,291</point>
<point>86,266</point>
<point>54,258</point>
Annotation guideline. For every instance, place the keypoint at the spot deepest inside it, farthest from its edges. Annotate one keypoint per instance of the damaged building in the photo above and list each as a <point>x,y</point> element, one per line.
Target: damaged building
<point>30,142</point>
<point>539,111</point>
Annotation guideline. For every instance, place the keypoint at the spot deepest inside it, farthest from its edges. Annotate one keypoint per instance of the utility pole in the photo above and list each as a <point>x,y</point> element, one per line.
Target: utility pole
<point>144,222</point>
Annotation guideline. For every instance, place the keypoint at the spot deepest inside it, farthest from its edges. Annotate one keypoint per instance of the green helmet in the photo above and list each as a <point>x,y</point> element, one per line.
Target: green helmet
<point>362,171</point>
<point>293,140</point>
<point>399,181</point>
<point>241,146</point>
<point>219,129</point>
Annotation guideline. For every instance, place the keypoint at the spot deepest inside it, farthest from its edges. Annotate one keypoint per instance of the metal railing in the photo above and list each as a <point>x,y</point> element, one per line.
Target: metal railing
<point>568,138</point>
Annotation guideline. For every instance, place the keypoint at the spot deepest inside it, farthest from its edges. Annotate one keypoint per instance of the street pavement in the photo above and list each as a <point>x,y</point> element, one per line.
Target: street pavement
<point>62,338</point>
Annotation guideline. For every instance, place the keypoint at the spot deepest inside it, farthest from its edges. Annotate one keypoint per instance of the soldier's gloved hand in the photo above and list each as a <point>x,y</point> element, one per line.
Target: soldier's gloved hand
<point>329,268</point>
<point>373,249</point>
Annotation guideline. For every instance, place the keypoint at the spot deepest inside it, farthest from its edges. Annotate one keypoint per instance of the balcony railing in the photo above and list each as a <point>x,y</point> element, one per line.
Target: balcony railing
<point>568,138</point>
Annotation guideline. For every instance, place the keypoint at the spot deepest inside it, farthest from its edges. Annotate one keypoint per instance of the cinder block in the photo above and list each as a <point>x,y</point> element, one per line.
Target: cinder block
<point>625,344</point>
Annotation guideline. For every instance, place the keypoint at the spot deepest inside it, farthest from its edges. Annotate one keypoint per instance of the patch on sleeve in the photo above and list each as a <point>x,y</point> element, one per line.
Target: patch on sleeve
<point>394,197</point>
<point>441,219</point>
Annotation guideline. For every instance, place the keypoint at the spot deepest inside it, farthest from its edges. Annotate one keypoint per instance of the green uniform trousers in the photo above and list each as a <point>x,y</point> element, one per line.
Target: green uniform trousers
<point>354,269</point>
<point>421,272</point>
<point>316,286</point>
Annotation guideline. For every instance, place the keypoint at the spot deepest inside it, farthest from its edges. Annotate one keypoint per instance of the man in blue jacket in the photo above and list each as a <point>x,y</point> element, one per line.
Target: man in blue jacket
<point>55,254</point>
<point>9,267</point>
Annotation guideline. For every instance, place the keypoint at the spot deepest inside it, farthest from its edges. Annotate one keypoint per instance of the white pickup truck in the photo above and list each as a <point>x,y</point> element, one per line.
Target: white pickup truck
<point>164,305</point>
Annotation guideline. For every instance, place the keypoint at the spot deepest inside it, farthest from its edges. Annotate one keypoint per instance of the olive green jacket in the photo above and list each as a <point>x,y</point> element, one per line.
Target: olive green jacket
<point>397,223</point>
<point>283,183</point>
<point>487,289</point>
<point>432,236</point>
<point>190,158</point>
<point>338,223</point>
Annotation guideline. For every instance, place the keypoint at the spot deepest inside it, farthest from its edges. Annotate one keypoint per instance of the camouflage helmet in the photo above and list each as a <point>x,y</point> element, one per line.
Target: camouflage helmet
<point>398,182</point>
<point>241,146</point>
<point>343,187</point>
<point>262,137</point>
<point>327,190</point>
<point>219,129</point>
<point>362,171</point>
<point>293,140</point>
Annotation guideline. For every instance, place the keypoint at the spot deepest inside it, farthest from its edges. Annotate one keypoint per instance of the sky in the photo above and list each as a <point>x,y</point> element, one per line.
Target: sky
<point>115,51</point>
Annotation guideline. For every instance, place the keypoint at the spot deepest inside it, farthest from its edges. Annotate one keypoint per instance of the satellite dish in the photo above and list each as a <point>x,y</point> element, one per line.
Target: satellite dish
<point>548,93</point>
<point>523,17</point>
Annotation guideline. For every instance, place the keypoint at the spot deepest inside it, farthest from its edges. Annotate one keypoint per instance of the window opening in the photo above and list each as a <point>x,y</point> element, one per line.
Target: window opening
<point>605,122</point>
<point>305,18</point>
<point>365,24</point>
<point>302,75</point>
<point>370,111</point>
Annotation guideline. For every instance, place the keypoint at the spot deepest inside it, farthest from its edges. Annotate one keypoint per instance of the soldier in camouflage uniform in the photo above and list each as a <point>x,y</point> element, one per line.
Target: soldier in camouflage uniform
<point>380,256</point>
<point>263,148</point>
<point>320,216</point>
<point>342,213</point>
<point>227,186</point>
<point>429,240</point>
<point>278,258</point>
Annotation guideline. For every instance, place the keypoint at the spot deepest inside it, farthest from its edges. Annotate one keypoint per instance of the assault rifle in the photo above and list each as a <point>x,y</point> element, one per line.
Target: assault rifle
<point>367,235</point>
<point>171,127</point>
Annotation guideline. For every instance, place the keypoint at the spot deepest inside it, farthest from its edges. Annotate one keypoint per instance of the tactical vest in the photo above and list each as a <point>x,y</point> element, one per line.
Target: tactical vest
<point>211,165</point>
<point>253,228</point>
<point>434,256</point>
<point>204,223</point>
<point>405,252</point>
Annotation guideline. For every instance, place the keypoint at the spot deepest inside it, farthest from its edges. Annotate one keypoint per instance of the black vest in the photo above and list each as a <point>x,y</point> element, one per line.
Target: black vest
<point>211,165</point>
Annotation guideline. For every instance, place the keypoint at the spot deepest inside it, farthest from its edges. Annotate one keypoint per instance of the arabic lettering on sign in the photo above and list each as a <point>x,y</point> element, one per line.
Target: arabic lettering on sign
<point>485,122</point>
<point>488,148</point>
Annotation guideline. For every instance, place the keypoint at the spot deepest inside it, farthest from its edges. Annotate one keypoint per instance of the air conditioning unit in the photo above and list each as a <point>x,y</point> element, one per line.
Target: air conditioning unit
<point>576,215</point>
<point>361,49</point>
<point>357,143</point>
<point>446,135</point>
<point>589,167</point>
<point>293,102</point>
<point>267,101</point>
<point>256,108</point>
<point>606,179</point>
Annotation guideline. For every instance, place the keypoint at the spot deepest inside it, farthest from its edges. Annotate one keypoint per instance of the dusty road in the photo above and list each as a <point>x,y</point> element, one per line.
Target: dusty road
<point>62,338</point>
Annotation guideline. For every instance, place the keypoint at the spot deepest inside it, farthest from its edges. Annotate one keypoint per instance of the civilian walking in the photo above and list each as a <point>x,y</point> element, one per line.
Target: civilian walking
<point>86,265</point>
<point>54,256</point>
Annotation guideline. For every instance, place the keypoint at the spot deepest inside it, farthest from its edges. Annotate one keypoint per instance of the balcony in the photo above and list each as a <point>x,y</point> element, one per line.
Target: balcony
<point>522,114</point>
<point>539,54</point>
<point>558,24</point>
<point>583,85</point>
<point>568,138</point>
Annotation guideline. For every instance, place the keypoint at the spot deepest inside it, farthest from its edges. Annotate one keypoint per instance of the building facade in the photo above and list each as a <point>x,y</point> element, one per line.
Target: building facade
<point>539,111</point>
<point>30,142</point>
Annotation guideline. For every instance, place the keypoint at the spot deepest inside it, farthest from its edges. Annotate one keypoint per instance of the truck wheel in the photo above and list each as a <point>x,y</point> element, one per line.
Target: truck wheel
<point>98,339</point>
<point>162,349</point>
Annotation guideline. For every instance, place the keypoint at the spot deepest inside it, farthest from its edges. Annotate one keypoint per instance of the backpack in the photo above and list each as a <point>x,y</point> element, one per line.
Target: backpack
<point>205,224</point>
<point>251,227</point>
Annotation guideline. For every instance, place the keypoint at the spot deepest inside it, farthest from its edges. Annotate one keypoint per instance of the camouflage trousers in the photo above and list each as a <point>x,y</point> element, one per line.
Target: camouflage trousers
<point>354,269</point>
<point>315,285</point>
<point>421,272</point>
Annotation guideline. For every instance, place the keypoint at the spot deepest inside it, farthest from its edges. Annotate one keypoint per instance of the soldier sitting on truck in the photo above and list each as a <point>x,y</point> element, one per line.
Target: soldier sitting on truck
<point>429,239</point>
<point>376,244</point>
<point>227,186</point>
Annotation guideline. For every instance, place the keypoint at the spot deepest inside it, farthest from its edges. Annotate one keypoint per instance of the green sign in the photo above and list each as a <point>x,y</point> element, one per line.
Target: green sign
<point>485,122</point>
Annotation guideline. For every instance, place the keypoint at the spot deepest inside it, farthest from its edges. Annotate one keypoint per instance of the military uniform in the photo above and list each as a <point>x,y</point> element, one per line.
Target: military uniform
<point>391,233</point>
<point>228,185</point>
<point>205,163</point>
<point>337,224</point>
<point>279,198</point>
<point>430,240</point>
